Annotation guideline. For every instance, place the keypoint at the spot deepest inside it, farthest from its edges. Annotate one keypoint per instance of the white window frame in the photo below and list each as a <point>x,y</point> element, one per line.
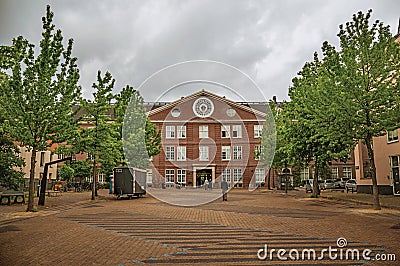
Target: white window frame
<point>204,153</point>
<point>227,151</point>
<point>170,153</point>
<point>181,153</point>
<point>347,172</point>
<point>181,176</point>
<point>237,153</point>
<point>169,173</point>
<point>227,130</point>
<point>335,172</point>
<point>237,175</point>
<point>304,173</point>
<point>170,132</point>
<point>237,131</point>
<point>203,131</point>
<point>393,136</point>
<point>149,177</point>
<point>100,177</point>
<point>260,175</point>
<point>226,174</point>
<point>258,131</point>
<point>181,132</point>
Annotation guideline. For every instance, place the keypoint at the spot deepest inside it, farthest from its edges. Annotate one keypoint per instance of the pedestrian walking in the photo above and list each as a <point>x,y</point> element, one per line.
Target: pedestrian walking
<point>206,184</point>
<point>224,188</point>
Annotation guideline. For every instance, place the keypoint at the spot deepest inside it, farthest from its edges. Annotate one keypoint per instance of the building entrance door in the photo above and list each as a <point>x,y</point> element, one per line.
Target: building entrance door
<point>202,176</point>
<point>395,169</point>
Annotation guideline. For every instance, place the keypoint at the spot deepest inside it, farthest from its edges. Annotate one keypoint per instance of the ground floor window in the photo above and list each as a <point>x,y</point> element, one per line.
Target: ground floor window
<point>226,175</point>
<point>335,172</point>
<point>100,178</point>
<point>347,172</point>
<point>395,172</point>
<point>260,175</point>
<point>304,174</point>
<point>170,176</point>
<point>237,175</point>
<point>181,176</point>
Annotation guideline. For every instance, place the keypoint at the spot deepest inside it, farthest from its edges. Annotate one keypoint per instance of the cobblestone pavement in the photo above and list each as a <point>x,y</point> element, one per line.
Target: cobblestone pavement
<point>72,230</point>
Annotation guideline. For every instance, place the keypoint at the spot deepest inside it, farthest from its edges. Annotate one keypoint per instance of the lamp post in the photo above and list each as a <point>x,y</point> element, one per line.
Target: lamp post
<point>43,183</point>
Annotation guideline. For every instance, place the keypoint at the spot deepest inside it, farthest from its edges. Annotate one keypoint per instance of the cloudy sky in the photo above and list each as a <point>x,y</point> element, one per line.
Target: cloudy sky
<point>265,42</point>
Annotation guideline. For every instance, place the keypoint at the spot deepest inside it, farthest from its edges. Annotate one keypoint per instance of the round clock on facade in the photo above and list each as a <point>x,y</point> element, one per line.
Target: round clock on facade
<point>203,107</point>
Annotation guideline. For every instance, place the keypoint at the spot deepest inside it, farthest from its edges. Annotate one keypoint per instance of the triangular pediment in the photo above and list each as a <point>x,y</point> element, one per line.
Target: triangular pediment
<point>207,94</point>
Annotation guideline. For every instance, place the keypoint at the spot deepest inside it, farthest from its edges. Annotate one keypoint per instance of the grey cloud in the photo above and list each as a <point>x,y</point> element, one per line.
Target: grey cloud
<point>268,40</point>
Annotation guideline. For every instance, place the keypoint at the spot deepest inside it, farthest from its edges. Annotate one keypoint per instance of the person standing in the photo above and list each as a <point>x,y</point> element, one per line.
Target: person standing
<point>206,184</point>
<point>224,188</point>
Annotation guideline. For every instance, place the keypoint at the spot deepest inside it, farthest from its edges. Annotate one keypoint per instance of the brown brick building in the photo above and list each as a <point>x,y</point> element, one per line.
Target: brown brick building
<point>207,137</point>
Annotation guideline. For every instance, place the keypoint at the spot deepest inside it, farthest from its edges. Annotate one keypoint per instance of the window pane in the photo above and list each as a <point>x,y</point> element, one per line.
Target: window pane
<point>203,153</point>
<point>225,131</point>
<point>170,175</point>
<point>170,153</point>
<point>181,176</point>
<point>237,175</point>
<point>393,135</point>
<point>181,153</point>
<point>347,172</point>
<point>203,132</point>
<point>258,131</point>
<point>335,172</point>
<point>237,152</point>
<point>260,175</point>
<point>304,174</point>
<point>181,132</point>
<point>170,132</point>
<point>226,174</point>
<point>226,152</point>
<point>237,131</point>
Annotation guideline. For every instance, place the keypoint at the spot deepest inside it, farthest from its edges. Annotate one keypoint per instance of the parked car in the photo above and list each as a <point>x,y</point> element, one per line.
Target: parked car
<point>329,184</point>
<point>351,184</point>
<point>309,185</point>
<point>340,182</point>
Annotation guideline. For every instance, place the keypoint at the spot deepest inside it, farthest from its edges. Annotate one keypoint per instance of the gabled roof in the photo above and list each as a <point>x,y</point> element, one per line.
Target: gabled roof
<point>202,93</point>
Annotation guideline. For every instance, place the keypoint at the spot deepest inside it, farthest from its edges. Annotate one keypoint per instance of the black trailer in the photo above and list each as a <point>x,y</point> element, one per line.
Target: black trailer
<point>129,182</point>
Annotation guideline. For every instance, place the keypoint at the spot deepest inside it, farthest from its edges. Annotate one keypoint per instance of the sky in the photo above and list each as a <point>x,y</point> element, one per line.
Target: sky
<point>246,50</point>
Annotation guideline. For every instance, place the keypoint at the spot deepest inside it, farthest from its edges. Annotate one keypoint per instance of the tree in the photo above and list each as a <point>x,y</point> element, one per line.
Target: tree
<point>367,83</point>
<point>131,98</point>
<point>66,172</point>
<point>100,139</point>
<point>9,160</point>
<point>267,154</point>
<point>141,139</point>
<point>308,119</point>
<point>82,169</point>
<point>37,93</point>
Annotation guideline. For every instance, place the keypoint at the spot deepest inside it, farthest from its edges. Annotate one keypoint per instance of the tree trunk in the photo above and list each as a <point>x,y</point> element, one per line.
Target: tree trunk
<point>269,178</point>
<point>94,180</point>
<point>375,191</point>
<point>32,181</point>
<point>315,182</point>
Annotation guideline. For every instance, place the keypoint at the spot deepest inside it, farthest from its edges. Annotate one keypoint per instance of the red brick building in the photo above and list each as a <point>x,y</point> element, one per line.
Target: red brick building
<point>208,137</point>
